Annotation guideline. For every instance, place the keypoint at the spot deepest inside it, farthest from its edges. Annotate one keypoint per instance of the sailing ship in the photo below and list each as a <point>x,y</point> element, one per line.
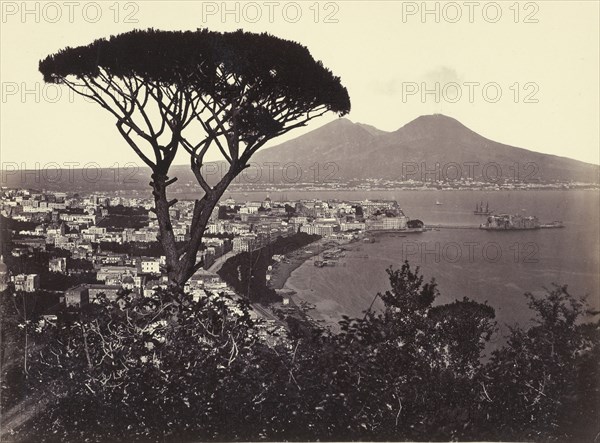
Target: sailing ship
<point>479,210</point>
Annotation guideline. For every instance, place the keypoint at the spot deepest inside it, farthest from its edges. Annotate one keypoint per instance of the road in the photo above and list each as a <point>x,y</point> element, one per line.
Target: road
<point>257,307</point>
<point>219,262</point>
<point>266,313</point>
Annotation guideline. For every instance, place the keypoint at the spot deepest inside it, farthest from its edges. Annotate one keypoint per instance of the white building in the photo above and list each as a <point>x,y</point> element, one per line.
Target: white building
<point>244,243</point>
<point>26,282</point>
<point>324,230</point>
<point>58,264</point>
<point>350,226</point>
<point>394,223</point>
<point>249,210</point>
<point>150,265</point>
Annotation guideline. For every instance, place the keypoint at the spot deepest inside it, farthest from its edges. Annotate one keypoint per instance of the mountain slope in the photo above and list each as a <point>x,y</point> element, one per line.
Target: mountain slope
<point>435,143</point>
<point>431,147</point>
<point>330,142</point>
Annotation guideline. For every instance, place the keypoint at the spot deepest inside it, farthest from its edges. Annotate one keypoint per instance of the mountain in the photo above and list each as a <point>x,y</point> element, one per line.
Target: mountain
<point>338,142</point>
<point>431,146</point>
<point>372,129</point>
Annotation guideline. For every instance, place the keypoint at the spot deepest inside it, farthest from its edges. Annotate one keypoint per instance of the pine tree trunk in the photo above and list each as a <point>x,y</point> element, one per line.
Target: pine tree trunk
<point>181,264</point>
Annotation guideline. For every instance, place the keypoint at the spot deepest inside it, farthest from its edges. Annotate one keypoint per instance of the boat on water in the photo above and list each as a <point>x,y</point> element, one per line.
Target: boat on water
<point>323,263</point>
<point>554,224</point>
<point>334,254</point>
<point>480,210</point>
<point>438,203</point>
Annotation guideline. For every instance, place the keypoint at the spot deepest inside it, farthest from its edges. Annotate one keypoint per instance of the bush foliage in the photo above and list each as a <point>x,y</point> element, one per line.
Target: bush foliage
<point>166,368</point>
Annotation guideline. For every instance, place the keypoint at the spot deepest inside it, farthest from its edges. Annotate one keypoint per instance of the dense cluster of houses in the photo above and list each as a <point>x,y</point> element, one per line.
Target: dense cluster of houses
<point>89,228</point>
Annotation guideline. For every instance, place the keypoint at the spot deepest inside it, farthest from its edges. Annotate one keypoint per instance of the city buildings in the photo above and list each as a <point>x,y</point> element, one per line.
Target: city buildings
<point>26,282</point>
<point>113,241</point>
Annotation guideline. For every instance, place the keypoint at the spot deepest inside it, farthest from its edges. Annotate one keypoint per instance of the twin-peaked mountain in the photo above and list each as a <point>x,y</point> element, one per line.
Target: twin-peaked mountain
<point>431,146</point>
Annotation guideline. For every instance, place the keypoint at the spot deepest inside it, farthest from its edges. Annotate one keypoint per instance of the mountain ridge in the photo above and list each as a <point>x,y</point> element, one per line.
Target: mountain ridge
<point>428,148</point>
<point>363,151</point>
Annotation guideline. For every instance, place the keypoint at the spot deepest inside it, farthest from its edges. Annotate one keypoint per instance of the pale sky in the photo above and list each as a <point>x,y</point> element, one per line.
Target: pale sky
<point>545,66</point>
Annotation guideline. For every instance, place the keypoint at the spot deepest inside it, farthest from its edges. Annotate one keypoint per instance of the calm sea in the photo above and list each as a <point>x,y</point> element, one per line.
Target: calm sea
<point>497,267</point>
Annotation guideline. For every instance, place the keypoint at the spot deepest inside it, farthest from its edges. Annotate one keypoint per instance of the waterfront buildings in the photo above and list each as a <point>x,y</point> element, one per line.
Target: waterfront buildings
<point>111,241</point>
<point>507,221</point>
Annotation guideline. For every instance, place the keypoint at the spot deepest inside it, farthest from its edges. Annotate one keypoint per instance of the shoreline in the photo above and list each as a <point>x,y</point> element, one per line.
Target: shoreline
<point>319,311</point>
<point>282,271</point>
<point>325,310</point>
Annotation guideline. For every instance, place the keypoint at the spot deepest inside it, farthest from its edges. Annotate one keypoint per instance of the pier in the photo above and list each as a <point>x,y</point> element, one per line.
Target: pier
<point>430,227</point>
<point>543,226</point>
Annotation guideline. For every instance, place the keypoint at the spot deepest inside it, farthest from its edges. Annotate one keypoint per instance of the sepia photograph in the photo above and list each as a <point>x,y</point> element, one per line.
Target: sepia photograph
<point>304,221</point>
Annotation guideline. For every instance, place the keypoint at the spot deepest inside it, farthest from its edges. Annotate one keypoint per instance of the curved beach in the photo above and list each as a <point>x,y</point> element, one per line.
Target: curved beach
<point>319,287</point>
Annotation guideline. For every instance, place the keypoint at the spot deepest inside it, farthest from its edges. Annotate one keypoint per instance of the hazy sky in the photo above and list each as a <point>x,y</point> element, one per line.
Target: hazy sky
<point>524,74</point>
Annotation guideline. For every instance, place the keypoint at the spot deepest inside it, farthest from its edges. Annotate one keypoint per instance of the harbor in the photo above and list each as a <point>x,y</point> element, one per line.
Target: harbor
<point>552,225</point>
<point>332,278</point>
<point>449,246</point>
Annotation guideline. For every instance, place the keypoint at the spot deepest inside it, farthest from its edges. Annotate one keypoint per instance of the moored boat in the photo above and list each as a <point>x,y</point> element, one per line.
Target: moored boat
<point>479,209</point>
<point>554,224</point>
